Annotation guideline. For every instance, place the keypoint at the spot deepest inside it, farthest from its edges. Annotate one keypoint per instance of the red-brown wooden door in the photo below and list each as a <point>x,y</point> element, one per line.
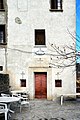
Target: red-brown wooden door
<point>41,85</point>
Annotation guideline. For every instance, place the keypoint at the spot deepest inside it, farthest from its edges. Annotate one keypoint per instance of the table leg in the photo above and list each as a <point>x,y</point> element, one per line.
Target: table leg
<point>5,115</point>
<point>6,112</point>
<point>61,99</point>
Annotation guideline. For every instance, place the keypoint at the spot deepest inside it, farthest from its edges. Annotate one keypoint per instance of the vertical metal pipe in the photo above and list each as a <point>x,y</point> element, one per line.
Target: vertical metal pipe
<point>5,59</point>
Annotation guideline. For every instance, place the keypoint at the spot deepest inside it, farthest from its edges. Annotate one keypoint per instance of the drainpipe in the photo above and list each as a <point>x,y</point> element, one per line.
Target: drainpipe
<point>5,59</point>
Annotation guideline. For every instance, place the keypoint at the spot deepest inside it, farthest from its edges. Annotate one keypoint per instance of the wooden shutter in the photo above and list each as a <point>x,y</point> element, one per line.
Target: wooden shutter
<point>39,37</point>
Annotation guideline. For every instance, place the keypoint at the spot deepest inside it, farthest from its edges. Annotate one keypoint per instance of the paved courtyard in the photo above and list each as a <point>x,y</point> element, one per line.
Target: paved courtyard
<point>48,110</point>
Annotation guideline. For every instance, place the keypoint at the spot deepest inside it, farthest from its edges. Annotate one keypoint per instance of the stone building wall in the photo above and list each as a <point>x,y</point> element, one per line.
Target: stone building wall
<point>23,19</point>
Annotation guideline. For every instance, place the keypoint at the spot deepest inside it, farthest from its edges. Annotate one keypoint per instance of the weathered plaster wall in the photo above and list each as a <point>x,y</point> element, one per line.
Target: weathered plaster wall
<point>36,15</point>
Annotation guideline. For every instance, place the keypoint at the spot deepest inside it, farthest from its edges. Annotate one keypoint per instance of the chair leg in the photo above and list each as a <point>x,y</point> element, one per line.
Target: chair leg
<point>20,108</point>
<point>5,115</point>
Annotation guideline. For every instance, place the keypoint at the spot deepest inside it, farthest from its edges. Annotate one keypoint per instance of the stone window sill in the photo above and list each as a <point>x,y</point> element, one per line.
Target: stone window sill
<point>40,46</point>
<point>2,10</point>
<point>3,43</point>
<point>56,10</point>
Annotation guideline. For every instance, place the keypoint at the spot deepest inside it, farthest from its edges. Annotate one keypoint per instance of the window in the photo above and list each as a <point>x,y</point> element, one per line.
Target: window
<point>1,68</point>
<point>58,83</point>
<point>39,37</point>
<point>1,5</point>
<point>56,5</point>
<point>2,34</point>
<point>23,82</point>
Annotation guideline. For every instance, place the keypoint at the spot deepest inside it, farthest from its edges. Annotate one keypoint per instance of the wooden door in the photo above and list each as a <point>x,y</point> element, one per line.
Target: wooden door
<point>41,85</point>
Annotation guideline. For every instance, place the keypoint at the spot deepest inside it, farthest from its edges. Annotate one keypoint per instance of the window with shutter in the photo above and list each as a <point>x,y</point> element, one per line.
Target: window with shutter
<point>58,83</point>
<point>56,5</point>
<point>39,37</point>
<point>1,5</point>
<point>23,82</point>
<point>2,34</point>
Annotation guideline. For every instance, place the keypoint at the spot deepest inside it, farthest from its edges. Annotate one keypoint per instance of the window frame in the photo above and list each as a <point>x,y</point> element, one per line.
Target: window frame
<point>58,83</point>
<point>2,8</point>
<point>37,31</point>
<point>1,68</point>
<point>22,82</point>
<point>2,28</point>
<point>56,9</point>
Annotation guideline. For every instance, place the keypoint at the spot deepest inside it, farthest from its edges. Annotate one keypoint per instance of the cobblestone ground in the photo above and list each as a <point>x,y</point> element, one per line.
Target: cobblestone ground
<point>49,110</point>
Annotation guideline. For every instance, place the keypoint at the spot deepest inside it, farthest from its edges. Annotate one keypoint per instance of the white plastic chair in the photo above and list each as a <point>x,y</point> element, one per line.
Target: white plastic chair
<point>5,95</point>
<point>5,110</point>
<point>23,100</point>
<point>24,103</point>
